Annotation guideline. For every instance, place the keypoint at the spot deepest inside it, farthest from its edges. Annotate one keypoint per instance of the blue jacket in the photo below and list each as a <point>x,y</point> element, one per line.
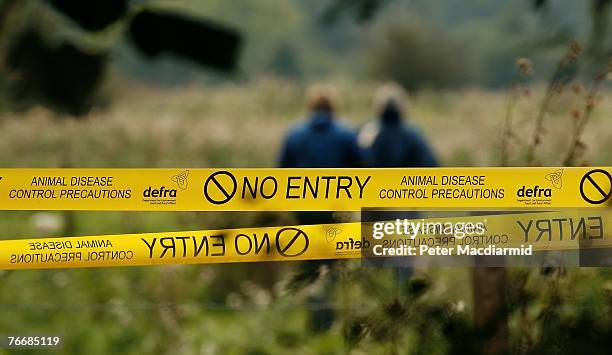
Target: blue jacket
<point>388,142</point>
<point>393,143</point>
<point>321,142</point>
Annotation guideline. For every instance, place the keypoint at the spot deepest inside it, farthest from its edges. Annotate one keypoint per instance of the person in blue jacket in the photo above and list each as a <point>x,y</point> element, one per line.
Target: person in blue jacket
<point>390,142</point>
<point>320,141</point>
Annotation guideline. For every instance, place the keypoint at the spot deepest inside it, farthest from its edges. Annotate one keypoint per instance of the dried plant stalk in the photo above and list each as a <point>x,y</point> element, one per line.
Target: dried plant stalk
<point>582,118</point>
<point>565,72</point>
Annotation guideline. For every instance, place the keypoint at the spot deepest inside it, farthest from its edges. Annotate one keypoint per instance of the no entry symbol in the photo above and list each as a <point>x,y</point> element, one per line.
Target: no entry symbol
<point>220,187</point>
<point>291,242</point>
<point>596,186</point>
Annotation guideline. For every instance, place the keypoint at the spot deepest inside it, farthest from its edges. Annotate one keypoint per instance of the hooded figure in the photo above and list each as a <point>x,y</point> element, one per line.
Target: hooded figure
<point>389,141</point>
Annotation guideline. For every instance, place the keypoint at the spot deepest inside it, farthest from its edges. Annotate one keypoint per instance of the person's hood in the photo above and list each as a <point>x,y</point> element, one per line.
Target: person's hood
<point>391,114</point>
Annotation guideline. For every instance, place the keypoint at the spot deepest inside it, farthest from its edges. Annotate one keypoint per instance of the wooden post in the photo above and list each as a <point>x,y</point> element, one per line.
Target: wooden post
<point>490,310</point>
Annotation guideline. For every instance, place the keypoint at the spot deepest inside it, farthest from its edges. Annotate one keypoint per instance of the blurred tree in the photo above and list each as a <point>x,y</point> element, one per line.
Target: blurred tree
<point>285,62</point>
<point>64,78</point>
<point>65,73</point>
<point>415,56</point>
<point>599,44</point>
<point>363,10</point>
<point>92,15</point>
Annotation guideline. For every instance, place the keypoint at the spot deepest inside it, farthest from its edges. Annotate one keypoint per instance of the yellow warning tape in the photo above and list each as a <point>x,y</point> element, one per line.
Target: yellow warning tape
<point>302,189</point>
<point>545,231</point>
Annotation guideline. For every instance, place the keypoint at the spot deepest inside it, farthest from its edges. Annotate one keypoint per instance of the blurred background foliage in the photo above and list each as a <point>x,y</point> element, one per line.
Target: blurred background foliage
<point>422,44</point>
<point>196,107</point>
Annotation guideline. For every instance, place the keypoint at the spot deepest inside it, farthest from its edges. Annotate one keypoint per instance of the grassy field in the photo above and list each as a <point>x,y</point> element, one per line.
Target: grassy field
<point>244,125</point>
<point>239,308</point>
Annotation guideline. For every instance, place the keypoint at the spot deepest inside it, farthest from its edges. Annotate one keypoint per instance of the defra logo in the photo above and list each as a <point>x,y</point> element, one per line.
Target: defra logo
<point>535,191</point>
<point>162,192</point>
<point>159,195</point>
<point>352,244</point>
